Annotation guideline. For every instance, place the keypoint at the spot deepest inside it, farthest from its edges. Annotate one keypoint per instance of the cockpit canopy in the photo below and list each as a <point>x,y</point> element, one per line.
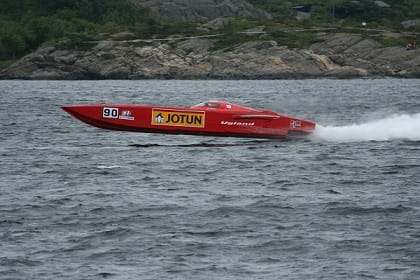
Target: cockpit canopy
<point>209,104</point>
<point>215,104</point>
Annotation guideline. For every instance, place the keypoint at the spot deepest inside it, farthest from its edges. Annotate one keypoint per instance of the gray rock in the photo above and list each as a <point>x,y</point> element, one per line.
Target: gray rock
<point>193,59</point>
<point>257,29</point>
<point>104,45</point>
<point>202,10</point>
<point>258,45</point>
<point>48,74</point>
<point>144,52</point>
<point>346,72</point>
<point>196,45</point>
<point>337,43</point>
<point>106,54</point>
<point>46,49</point>
<point>123,36</point>
<point>361,47</point>
<point>215,24</point>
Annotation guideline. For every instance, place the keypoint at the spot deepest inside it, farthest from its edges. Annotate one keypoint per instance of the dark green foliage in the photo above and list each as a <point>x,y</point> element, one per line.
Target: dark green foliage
<point>26,24</point>
<point>293,39</point>
<point>345,10</point>
<point>12,42</point>
<point>5,63</point>
<point>392,42</point>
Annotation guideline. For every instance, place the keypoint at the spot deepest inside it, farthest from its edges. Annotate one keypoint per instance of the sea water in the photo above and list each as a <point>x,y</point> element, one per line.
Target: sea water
<point>77,202</point>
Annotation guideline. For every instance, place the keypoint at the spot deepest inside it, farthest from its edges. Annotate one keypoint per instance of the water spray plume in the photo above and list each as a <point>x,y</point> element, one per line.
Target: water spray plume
<point>393,127</point>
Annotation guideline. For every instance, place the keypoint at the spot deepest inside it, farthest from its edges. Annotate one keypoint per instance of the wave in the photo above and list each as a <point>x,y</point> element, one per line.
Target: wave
<point>404,126</point>
<point>108,166</point>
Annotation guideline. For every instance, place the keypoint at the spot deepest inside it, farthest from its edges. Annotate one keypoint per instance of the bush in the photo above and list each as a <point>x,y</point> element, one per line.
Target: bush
<point>293,39</point>
<point>392,41</point>
<point>12,41</point>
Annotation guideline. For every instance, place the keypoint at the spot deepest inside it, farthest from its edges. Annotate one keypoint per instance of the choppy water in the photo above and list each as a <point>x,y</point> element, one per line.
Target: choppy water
<point>77,202</point>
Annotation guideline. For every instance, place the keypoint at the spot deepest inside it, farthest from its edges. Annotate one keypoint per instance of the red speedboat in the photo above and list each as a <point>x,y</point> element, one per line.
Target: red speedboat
<point>212,118</point>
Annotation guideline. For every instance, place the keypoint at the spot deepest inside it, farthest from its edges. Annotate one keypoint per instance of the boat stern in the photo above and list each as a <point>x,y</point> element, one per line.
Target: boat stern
<point>299,126</point>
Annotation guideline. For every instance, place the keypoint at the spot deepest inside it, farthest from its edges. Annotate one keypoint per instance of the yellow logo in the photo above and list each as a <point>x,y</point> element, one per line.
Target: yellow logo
<point>178,118</point>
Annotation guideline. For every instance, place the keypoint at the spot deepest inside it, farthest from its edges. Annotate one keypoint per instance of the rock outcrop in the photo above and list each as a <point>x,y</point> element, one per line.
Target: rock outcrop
<point>204,10</point>
<point>367,54</point>
<point>337,56</point>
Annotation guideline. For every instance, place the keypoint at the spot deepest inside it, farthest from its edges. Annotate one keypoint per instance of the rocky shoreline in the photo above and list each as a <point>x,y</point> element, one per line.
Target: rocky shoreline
<point>335,56</point>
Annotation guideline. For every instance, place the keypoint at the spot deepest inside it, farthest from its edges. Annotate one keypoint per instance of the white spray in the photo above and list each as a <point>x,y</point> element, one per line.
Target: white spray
<point>393,127</point>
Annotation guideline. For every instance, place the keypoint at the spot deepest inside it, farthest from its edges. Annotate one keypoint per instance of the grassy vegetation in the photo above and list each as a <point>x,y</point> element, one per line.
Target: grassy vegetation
<point>388,41</point>
<point>6,63</point>
<point>293,39</point>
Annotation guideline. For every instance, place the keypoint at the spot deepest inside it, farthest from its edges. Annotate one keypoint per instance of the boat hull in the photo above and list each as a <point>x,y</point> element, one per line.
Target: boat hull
<point>192,121</point>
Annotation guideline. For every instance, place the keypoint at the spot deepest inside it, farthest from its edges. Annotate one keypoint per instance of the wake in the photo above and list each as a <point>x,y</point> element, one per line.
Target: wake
<point>394,127</point>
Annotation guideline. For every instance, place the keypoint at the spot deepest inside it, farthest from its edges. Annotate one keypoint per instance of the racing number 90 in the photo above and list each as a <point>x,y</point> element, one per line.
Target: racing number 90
<point>111,113</point>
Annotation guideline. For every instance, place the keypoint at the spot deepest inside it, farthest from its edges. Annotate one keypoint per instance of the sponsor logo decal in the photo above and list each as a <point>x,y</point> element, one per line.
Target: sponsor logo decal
<point>237,123</point>
<point>178,118</point>
<point>126,115</point>
<point>295,124</point>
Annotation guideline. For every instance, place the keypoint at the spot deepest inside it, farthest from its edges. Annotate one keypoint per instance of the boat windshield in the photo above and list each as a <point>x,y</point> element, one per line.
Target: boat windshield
<point>208,104</point>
